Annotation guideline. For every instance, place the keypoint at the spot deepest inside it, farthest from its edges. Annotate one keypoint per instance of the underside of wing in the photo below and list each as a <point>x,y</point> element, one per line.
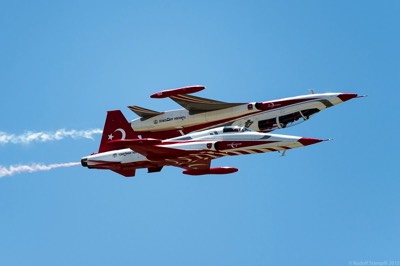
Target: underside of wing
<point>196,104</point>
<point>189,162</point>
<point>151,148</point>
<point>143,112</point>
<point>193,104</point>
<point>199,164</point>
<point>195,162</point>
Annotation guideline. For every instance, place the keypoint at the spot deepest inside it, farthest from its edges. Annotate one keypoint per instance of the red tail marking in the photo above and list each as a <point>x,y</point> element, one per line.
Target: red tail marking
<point>116,127</point>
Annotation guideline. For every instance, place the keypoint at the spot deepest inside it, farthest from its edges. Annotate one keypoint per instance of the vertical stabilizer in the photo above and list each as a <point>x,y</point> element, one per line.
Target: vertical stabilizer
<point>116,127</point>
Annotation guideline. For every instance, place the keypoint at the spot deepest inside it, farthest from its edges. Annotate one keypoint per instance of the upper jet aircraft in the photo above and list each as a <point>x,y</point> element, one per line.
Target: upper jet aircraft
<point>201,113</point>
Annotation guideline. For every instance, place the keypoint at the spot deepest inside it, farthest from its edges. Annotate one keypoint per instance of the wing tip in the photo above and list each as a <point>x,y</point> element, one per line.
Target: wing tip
<point>181,90</point>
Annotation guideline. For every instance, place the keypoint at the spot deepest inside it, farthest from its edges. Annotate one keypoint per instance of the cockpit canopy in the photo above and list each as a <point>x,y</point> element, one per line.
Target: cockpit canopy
<point>214,132</point>
<point>230,129</point>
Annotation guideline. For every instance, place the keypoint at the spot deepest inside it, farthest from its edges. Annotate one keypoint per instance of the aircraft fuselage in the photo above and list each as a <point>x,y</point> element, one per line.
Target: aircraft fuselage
<point>258,116</point>
<point>192,150</point>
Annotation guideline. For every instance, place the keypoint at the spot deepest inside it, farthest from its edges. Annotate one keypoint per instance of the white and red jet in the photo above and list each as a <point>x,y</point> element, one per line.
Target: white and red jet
<point>201,113</point>
<point>122,151</point>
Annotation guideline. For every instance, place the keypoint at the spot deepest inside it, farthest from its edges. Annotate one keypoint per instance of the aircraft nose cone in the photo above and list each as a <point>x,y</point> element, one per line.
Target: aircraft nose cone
<point>347,96</point>
<point>309,141</point>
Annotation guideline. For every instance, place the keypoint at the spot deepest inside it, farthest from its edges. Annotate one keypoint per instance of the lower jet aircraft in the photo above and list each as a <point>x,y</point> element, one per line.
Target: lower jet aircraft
<point>201,113</point>
<point>122,151</point>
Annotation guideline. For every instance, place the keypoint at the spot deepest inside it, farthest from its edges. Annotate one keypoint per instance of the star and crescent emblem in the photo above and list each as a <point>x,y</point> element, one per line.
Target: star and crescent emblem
<point>123,134</point>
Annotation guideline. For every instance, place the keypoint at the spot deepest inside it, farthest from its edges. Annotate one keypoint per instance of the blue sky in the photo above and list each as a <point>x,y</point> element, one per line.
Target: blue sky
<point>64,64</point>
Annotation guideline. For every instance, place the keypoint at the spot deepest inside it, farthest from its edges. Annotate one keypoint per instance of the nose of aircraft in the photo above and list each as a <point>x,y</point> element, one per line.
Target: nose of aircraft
<point>347,96</point>
<point>309,141</point>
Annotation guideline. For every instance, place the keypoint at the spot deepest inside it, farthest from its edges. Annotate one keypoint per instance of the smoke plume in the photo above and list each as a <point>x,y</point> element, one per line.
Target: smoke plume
<point>35,167</point>
<point>60,134</point>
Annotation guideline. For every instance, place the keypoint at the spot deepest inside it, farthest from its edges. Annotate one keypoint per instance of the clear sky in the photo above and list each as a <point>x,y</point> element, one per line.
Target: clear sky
<point>63,64</point>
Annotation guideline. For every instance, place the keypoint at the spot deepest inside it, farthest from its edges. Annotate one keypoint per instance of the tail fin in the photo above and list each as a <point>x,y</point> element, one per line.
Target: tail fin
<point>115,127</point>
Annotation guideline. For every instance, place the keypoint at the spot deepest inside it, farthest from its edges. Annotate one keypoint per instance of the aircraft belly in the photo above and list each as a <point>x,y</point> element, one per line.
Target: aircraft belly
<point>252,122</point>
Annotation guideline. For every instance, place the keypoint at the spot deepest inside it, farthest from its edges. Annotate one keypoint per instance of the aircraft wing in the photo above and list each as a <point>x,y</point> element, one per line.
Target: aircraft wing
<point>193,104</point>
<point>187,159</point>
<point>196,104</point>
<point>143,112</point>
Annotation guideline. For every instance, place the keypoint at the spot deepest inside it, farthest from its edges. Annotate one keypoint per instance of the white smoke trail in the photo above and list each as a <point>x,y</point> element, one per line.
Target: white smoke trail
<point>35,167</point>
<point>60,134</point>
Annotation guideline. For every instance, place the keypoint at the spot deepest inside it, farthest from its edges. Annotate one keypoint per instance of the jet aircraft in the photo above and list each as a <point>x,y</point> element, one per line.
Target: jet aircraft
<point>122,151</point>
<point>201,113</point>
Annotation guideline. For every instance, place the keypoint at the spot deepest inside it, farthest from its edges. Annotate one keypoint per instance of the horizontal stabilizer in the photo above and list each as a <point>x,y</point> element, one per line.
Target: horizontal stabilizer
<point>143,112</point>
